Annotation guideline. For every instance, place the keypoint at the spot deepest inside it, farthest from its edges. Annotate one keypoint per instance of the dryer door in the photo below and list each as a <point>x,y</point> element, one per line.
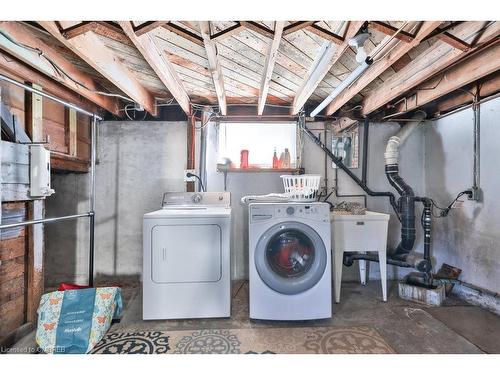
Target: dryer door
<point>290,257</point>
<point>186,253</point>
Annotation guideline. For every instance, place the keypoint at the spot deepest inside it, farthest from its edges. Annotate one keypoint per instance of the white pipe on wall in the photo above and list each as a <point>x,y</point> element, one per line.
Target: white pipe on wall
<point>343,85</point>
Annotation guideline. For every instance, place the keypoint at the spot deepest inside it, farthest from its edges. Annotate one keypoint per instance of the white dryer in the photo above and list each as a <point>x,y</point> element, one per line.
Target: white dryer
<point>186,265</point>
<point>290,261</point>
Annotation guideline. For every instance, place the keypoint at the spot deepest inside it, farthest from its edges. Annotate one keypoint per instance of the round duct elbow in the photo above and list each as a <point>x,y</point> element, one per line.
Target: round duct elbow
<point>392,149</point>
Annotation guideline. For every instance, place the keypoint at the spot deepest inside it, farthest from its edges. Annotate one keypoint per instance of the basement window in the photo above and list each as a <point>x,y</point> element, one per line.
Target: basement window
<point>251,145</point>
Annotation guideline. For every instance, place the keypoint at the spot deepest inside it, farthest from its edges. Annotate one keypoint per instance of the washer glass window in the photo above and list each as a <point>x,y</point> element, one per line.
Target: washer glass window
<point>290,253</point>
<point>290,257</point>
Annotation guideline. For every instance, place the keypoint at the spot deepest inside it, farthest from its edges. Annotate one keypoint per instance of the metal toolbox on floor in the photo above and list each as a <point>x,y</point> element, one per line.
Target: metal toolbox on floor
<point>360,232</point>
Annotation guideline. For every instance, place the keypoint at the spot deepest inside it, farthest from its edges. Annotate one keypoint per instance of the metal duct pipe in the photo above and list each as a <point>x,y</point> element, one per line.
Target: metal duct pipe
<point>203,149</point>
<point>343,85</point>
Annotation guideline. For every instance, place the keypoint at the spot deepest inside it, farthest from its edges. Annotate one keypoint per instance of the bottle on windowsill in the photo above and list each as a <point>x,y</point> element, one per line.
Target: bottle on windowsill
<point>275,160</point>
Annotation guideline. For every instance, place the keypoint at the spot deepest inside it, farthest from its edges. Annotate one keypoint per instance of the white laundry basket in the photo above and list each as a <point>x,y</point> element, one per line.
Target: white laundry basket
<point>301,188</point>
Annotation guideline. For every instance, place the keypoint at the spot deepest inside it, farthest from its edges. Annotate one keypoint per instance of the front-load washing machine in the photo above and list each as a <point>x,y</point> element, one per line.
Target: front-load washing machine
<point>290,261</point>
<point>186,263</point>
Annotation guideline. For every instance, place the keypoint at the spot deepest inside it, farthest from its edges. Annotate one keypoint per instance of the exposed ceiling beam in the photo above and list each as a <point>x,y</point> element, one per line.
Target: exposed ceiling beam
<point>102,28</point>
<point>21,34</point>
<point>78,29</point>
<point>380,66</point>
<point>296,26</point>
<point>445,36</point>
<point>236,28</point>
<point>473,68</point>
<point>487,87</point>
<point>325,34</point>
<point>420,70</point>
<point>148,26</point>
<point>183,33</point>
<point>390,30</point>
<point>21,71</point>
<point>326,58</point>
<point>269,65</point>
<point>160,64</point>
<point>454,41</point>
<point>214,65</point>
<point>94,52</point>
<point>258,28</point>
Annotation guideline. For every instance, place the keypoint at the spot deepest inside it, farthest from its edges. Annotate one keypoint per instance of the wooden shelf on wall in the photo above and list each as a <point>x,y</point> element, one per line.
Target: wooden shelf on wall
<point>265,170</point>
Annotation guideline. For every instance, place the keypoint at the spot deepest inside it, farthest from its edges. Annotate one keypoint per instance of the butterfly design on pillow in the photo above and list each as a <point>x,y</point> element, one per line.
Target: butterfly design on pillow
<point>49,326</point>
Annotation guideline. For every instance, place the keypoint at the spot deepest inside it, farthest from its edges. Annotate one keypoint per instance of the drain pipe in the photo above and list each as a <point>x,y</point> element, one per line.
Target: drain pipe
<point>403,256</point>
<point>407,200</point>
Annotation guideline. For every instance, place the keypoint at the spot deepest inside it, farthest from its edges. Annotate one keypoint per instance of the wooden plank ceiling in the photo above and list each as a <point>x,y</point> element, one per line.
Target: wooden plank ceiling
<point>227,63</point>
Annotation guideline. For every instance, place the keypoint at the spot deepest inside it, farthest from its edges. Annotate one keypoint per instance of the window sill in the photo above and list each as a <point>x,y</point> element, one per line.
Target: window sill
<point>264,170</point>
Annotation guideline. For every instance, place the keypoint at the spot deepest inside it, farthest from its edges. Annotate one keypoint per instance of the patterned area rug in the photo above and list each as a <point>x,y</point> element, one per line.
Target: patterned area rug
<point>307,340</point>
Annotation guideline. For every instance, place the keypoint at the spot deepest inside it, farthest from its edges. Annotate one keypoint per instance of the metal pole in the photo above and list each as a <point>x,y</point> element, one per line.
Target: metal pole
<point>49,96</point>
<point>364,167</point>
<point>43,221</point>
<point>93,133</point>
<point>476,144</point>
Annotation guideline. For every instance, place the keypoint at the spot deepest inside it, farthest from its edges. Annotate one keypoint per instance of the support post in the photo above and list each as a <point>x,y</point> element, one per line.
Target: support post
<point>35,211</point>
<point>93,134</point>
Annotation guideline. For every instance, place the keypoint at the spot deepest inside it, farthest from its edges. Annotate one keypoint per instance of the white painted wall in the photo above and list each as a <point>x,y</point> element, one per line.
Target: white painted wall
<point>137,163</point>
<point>469,238</point>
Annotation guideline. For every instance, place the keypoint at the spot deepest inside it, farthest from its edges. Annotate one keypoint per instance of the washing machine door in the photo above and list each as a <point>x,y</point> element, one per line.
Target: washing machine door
<point>290,257</point>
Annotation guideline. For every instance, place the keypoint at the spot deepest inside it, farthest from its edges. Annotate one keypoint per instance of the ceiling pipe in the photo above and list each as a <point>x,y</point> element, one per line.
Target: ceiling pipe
<point>356,73</point>
<point>343,85</point>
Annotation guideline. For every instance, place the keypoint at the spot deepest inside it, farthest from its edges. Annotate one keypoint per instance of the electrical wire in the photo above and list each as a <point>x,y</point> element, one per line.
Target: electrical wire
<point>443,212</point>
<point>127,108</point>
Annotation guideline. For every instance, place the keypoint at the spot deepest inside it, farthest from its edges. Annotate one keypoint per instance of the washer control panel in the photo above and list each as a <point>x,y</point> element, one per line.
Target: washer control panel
<point>289,211</point>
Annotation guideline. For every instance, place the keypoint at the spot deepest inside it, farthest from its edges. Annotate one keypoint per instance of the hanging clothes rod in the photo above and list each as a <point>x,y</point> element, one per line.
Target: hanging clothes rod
<point>43,221</point>
<point>91,213</point>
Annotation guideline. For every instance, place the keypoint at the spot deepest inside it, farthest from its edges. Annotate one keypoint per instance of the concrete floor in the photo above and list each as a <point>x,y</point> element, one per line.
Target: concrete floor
<point>456,327</point>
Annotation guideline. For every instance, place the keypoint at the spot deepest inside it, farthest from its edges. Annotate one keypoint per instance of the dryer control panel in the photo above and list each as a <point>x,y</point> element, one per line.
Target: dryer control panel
<point>203,199</point>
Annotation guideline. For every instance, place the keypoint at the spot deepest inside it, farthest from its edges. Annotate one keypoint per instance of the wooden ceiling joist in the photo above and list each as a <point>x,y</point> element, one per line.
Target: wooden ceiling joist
<point>94,52</point>
<point>380,66</point>
<point>147,27</point>
<point>387,29</point>
<point>487,87</point>
<point>231,30</point>
<point>420,70</point>
<point>159,63</point>
<point>102,28</point>
<point>325,34</point>
<point>269,65</point>
<point>214,65</point>
<point>86,86</point>
<point>445,36</point>
<point>473,68</point>
<point>78,29</point>
<point>326,58</point>
<point>16,68</point>
<point>454,41</point>
<point>258,28</point>
<point>183,33</point>
<point>296,26</point>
